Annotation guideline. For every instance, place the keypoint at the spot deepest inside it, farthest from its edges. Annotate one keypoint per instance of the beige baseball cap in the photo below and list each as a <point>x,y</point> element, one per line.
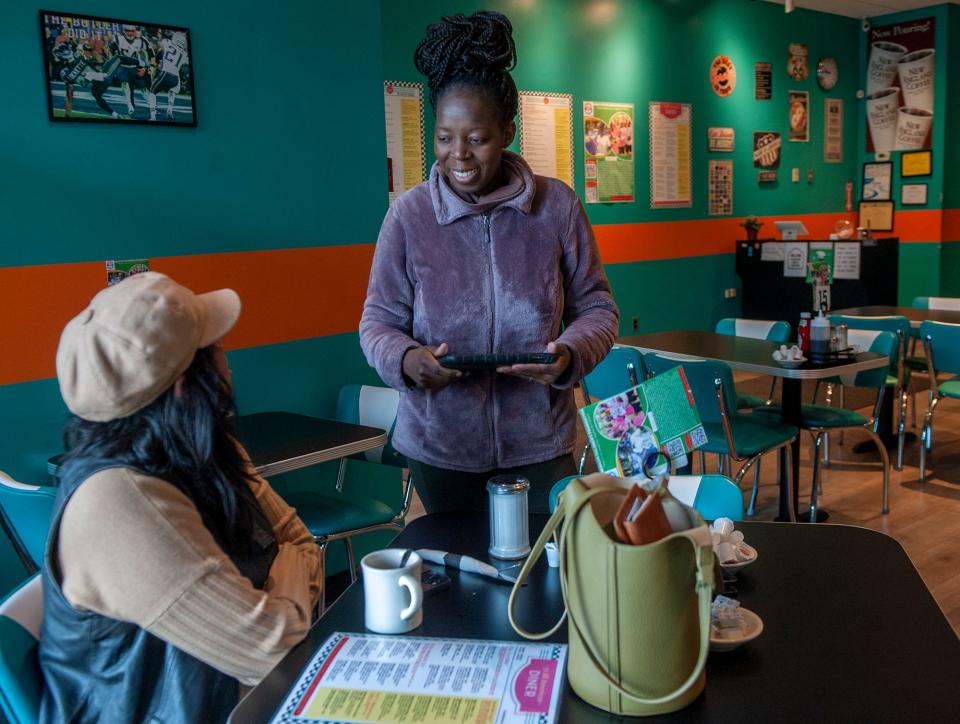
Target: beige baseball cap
<point>134,340</point>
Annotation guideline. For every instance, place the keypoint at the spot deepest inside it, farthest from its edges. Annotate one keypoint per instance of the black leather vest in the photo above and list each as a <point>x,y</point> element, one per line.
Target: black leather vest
<point>98,669</point>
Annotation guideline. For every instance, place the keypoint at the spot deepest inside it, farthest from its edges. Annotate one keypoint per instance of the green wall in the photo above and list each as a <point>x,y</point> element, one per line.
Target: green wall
<point>280,89</point>
<point>660,50</point>
<point>922,271</point>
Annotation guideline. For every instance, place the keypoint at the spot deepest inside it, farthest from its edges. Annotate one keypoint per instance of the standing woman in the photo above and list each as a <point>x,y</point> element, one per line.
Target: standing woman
<point>173,572</point>
<point>483,257</point>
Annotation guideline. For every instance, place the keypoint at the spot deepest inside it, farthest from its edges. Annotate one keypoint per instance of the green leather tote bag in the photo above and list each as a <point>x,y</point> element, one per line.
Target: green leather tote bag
<point>639,615</point>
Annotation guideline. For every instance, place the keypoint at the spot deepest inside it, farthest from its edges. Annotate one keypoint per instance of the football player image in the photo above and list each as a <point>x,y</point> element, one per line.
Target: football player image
<point>135,61</point>
<point>78,65</point>
<point>172,57</point>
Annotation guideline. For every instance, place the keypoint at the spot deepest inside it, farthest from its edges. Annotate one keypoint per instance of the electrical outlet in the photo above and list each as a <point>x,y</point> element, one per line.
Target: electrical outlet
<point>730,293</point>
<point>635,323</point>
<point>795,175</point>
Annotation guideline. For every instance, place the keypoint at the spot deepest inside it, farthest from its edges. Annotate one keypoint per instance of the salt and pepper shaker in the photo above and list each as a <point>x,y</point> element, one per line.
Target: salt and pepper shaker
<point>509,524</point>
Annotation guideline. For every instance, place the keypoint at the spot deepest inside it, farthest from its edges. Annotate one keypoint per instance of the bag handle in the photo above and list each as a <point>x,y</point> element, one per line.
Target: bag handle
<point>528,565</point>
<point>704,588</point>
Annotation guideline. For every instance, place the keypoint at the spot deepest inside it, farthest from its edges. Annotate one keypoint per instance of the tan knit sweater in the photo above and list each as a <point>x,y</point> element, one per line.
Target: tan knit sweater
<point>134,548</point>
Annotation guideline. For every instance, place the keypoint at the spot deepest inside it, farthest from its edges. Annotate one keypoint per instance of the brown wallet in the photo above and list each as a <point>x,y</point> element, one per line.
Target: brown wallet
<point>640,519</point>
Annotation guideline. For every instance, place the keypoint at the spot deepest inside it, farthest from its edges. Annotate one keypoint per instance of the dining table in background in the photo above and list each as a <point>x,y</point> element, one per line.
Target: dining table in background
<point>756,355</point>
<point>850,631</point>
<point>279,442</point>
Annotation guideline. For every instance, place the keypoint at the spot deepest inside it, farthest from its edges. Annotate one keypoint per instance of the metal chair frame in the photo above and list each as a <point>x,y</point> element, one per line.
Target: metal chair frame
<point>785,455</point>
<point>926,435</point>
<point>395,523</point>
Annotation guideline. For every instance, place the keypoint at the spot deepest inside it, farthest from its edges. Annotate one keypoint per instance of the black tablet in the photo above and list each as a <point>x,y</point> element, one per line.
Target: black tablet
<point>492,361</point>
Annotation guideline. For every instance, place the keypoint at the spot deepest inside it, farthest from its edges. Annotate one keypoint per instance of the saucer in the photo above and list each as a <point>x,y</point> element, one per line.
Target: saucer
<point>727,640</point>
<point>750,550</point>
<point>790,363</point>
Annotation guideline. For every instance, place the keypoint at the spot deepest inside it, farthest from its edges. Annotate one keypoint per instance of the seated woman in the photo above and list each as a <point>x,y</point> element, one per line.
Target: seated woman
<point>173,572</point>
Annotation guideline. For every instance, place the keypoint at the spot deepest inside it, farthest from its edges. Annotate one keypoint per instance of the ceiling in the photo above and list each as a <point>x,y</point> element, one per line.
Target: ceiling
<point>862,8</point>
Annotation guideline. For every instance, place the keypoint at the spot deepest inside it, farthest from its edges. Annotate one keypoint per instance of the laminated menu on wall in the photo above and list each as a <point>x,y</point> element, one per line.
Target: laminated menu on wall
<point>546,134</point>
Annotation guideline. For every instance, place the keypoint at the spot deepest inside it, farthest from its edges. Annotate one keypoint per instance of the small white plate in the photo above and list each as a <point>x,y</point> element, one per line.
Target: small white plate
<point>727,640</point>
<point>750,551</point>
<point>790,363</point>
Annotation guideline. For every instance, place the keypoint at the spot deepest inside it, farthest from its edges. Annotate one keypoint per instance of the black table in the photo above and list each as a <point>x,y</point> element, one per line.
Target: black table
<point>279,442</point>
<point>755,355</point>
<point>851,632</point>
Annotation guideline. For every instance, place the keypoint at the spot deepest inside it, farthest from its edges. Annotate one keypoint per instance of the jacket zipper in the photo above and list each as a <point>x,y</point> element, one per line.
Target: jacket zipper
<point>493,327</point>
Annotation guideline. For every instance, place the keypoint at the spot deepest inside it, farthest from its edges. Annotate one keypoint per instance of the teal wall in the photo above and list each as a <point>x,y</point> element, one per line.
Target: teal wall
<point>281,91</point>
<point>661,50</point>
<point>922,260</point>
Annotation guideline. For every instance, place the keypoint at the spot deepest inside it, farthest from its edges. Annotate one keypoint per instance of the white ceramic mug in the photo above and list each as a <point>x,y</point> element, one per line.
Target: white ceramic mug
<point>882,109</point>
<point>882,66</point>
<point>916,78</point>
<point>392,594</point>
<point>913,126</point>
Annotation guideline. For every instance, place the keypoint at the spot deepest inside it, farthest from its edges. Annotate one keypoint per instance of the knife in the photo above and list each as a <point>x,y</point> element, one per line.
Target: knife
<point>466,563</point>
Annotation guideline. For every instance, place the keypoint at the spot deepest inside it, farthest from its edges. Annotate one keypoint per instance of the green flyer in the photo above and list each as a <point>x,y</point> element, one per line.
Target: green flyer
<point>631,432</point>
<point>608,136</point>
<point>120,269</point>
<point>820,263</point>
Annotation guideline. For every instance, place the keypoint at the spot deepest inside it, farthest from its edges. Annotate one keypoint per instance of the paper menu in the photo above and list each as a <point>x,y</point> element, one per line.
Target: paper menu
<point>357,677</point>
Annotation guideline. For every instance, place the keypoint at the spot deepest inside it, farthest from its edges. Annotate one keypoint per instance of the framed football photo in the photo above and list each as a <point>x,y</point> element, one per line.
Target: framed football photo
<point>117,71</point>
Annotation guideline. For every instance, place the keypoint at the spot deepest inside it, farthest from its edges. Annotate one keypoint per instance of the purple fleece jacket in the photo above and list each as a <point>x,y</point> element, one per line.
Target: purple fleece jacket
<point>501,275</point>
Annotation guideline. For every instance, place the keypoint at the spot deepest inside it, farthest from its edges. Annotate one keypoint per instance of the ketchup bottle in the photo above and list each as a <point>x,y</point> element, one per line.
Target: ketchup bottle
<point>803,333</point>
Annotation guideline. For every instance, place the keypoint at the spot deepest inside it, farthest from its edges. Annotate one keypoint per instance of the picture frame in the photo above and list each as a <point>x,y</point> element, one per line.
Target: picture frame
<point>916,163</point>
<point>110,70</point>
<point>876,215</point>
<point>877,181</point>
<point>913,195</point>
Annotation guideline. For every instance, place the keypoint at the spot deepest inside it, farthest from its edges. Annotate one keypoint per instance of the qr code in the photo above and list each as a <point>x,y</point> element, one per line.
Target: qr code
<point>675,448</point>
<point>698,437</point>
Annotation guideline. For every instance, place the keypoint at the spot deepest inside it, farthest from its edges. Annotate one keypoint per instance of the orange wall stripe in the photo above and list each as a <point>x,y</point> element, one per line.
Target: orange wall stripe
<point>292,294</point>
<point>622,243</point>
<point>287,294</point>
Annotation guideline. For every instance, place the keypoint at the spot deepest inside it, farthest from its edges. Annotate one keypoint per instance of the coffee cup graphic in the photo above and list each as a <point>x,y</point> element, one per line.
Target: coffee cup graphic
<point>916,78</point>
<point>882,66</point>
<point>913,126</point>
<point>882,110</point>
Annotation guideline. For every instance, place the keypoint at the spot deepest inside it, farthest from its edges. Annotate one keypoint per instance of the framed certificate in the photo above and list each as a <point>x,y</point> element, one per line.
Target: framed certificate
<point>915,163</point>
<point>913,195</point>
<point>876,215</point>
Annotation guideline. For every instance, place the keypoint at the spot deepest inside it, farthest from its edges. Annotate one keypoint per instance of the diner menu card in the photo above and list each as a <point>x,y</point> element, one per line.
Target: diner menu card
<point>631,432</point>
<point>358,677</point>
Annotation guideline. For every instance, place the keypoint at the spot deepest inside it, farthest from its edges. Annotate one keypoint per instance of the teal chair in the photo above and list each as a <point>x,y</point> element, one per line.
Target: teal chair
<point>951,304</point>
<point>713,496</point>
<point>730,434</point>
<point>821,419</point>
<point>21,681</point>
<point>620,370</point>
<point>941,342</point>
<point>899,379</point>
<point>769,330</point>
<point>332,517</point>
<point>25,512</point>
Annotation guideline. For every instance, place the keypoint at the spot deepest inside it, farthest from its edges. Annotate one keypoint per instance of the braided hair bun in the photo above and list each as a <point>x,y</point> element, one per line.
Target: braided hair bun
<point>475,51</point>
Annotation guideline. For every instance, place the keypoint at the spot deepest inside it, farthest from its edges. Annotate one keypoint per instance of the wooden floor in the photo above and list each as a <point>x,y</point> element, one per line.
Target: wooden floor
<point>924,518</point>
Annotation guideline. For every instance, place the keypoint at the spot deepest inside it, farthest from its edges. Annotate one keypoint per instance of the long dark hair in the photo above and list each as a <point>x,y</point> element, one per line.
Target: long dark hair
<point>186,439</point>
<point>476,51</point>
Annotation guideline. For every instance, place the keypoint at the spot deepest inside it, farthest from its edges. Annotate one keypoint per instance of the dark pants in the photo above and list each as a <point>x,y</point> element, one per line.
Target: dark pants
<point>442,490</point>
